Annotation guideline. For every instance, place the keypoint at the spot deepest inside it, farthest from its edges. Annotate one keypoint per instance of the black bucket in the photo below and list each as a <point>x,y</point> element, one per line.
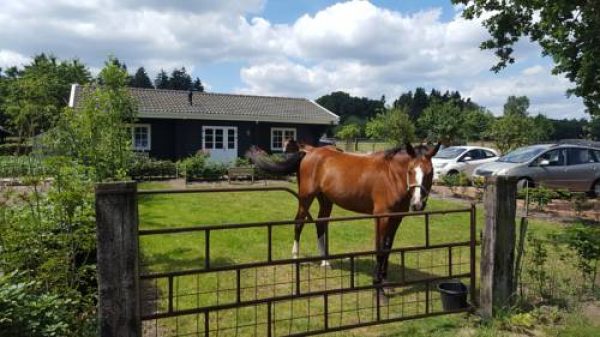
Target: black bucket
<point>454,295</point>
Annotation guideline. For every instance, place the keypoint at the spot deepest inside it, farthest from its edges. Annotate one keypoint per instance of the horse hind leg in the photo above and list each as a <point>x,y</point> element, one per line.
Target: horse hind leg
<point>301,214</point>
<point>325,206</point>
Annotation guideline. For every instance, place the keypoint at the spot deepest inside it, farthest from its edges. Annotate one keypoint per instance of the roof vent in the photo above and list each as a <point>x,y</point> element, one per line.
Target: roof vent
<point>191,97</point>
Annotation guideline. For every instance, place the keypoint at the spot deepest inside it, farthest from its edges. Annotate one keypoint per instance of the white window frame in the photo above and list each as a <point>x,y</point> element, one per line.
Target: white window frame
<point>283,130</point>
<point>148,131</point>
<point>225,139</point>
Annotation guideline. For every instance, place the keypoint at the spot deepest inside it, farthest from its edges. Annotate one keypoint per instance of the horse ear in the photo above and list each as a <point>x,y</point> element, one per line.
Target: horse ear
<point>410,150</point>
<point>433,151</point>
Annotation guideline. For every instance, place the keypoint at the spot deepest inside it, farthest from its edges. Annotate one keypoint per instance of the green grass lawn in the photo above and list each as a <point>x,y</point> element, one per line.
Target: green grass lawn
<point>185,251</point>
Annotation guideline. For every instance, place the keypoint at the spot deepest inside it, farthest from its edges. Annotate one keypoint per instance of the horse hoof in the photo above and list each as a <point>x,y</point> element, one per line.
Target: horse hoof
<point>325,263</point>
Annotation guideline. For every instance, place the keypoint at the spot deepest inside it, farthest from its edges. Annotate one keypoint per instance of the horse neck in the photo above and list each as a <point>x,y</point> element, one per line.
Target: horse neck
<point>398,172</point>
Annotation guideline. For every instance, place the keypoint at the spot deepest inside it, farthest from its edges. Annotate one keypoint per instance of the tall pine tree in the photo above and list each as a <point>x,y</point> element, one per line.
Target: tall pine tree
<point>140,79</point>
<point>162,80</point>
<point>180,80</point>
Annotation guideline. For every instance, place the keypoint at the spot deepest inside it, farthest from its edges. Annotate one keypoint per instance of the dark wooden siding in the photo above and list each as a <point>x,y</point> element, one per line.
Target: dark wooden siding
<point>175,138</point>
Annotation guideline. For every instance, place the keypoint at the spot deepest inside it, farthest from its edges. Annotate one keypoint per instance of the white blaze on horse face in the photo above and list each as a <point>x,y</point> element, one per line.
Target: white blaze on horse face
<point>416,201</point>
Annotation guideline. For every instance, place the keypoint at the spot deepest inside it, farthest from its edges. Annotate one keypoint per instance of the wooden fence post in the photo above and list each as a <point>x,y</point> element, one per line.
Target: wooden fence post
<point>117,249</point>
<point>498,246</point>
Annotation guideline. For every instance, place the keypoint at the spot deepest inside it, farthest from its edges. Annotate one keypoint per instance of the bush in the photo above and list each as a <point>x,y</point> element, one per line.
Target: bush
<point>26,311</point>
<point>200,167</point>
<point>12,149</point>
<point>50,238</point>
<point>540,195</point>
<point>145,168</point>
<point>455,180</point>
<point>14,167</point>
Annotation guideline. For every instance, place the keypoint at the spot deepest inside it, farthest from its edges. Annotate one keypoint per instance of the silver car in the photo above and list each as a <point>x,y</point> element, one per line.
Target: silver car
<point>573,167</point>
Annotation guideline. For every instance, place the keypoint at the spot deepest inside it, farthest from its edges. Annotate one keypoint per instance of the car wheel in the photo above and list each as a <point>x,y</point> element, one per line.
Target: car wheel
<point>524,182</point>
<point>452,172</point>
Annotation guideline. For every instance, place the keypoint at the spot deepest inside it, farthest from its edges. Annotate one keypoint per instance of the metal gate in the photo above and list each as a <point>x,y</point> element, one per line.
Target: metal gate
<point>298,297</point>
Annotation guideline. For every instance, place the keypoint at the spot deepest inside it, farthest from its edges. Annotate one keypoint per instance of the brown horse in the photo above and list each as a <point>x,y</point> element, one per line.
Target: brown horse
<point>378,183</point>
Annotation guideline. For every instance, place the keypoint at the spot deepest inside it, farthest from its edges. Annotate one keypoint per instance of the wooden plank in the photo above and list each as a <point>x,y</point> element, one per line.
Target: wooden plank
<point>498,245</point>
<point>117,249</point>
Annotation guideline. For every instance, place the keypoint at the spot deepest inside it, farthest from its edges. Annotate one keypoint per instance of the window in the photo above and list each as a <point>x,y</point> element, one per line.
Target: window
<point>279,136</point>
<point>554,157</point>
<point>219,138</point>
<point>580,156</point>
<point>475,154</point>
<point>489,154</point>
<point>140,137</point>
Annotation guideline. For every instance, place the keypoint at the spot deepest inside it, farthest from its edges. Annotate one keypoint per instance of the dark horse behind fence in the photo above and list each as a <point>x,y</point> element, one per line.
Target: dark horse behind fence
<point>378,183</point>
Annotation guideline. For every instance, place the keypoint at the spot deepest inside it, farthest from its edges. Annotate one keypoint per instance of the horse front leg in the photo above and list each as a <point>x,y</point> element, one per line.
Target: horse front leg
<point>325,207</point>
<point>388,243</point>
<point>301,215</point>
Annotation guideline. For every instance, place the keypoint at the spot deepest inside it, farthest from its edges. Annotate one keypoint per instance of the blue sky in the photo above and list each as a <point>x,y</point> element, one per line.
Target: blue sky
<point>293,48</point>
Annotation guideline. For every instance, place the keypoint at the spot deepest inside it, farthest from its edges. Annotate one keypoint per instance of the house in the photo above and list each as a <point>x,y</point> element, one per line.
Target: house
<point>174,124</point>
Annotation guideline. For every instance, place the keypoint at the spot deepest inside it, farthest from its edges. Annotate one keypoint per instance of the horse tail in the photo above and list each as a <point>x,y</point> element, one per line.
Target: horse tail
<point>290,164</point>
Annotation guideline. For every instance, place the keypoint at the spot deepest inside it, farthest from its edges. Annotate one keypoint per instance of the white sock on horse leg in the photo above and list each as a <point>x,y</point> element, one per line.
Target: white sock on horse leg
<point>321,243</point>
<point>295,249</point>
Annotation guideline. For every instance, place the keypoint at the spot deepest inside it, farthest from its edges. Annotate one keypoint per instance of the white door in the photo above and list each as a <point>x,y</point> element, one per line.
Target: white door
<point>220,142</point>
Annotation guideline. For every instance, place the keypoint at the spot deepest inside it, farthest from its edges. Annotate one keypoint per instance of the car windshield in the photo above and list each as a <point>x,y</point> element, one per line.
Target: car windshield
<point>450,152</point>
<point>522,155</point>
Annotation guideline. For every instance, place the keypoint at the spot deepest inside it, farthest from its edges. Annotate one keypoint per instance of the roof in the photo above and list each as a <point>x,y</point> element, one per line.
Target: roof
<point>174,104</point>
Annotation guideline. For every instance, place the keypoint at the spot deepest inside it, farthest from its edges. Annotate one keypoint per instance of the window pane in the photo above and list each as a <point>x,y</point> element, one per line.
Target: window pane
<point>231,139</point>
<point>218,138</point>
<point>208,139</point>
<point>140,137</point>
<point>579,156</point>
<point>555,157</point>
<point>277,139</point>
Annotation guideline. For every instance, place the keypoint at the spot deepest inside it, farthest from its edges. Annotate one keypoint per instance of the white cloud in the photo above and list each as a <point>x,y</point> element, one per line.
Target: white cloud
<point>9,58</point>
<point>353,46</point>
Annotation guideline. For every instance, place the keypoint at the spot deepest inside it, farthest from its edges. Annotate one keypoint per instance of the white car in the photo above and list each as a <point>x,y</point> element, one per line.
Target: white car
<point>455,159</point>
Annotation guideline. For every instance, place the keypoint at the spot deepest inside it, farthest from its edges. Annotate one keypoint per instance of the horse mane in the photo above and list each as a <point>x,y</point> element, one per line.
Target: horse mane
<point>419,150</point>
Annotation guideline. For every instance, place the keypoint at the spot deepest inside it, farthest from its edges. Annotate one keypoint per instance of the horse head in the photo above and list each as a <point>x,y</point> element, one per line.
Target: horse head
<point>420,175</point>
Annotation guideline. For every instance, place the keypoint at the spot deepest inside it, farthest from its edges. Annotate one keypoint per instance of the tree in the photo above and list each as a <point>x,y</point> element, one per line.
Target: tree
<point>348,132</point>
<point>35,94</point>
<point>567,30</point>
<point>510,132</point>
<point>197,86</point>
<point>162,80</point>
<point>392,125</point>
<point>180,80</point>
<point>443,122</point>
<point>516,128</point>
<point>543,128</point>
<point>141,80</point>
<point>477,122</point>
<point>95,134</point>
<point>516,105</point>
<point>344,105</point>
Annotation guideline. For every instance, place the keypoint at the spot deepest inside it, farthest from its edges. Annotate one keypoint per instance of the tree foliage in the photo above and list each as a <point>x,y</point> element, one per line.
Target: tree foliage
<point>141,80</point>
<point>516,128</point>
<point>567,30</point>
<point>393,125</point>
<point>419,101</point>
<point>95,134</point>
<point>33,96</point>
<point>349,131</point>
<point>344,105</point>
<point>443,121</point>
